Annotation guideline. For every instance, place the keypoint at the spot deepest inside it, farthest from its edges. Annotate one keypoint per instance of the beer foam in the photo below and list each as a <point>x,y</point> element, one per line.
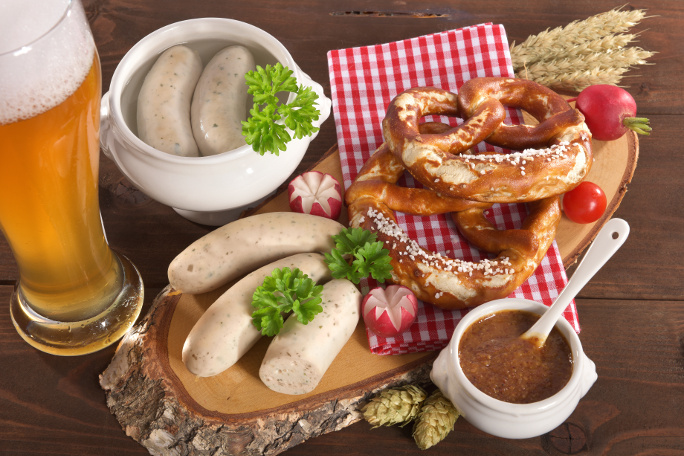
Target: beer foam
<point>46,53</point>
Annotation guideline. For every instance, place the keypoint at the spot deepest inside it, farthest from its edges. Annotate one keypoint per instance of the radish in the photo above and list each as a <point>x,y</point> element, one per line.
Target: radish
<point>316,193</point>
<point>389,312</point>
<point>610,112</point>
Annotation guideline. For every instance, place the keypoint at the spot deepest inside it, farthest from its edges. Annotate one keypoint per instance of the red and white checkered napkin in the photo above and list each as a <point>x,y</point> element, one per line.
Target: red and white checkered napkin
<point>363,81</point>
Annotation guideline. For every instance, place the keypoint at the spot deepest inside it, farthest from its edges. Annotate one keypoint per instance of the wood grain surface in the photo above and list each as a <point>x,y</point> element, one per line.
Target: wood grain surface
<point>631,312</point>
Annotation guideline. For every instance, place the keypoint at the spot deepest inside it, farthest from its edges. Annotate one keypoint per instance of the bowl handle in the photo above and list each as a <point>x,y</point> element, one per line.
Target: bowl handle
<point>105,125</point>
<point>323,102</point>
<point>440,374</point>
<point>589,375</point>
<point>108,139</point>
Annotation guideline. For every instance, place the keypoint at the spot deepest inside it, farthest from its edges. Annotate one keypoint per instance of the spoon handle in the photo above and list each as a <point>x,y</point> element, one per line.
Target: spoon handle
<point>609,239</point>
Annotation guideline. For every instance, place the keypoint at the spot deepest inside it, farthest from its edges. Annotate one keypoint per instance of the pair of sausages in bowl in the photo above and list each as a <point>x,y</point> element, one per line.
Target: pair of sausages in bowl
<point>187,109</point>
<point>298,357</point>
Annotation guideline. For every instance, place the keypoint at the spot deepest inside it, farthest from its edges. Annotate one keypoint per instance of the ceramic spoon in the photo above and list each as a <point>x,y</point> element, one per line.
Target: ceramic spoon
<point>609,239</point>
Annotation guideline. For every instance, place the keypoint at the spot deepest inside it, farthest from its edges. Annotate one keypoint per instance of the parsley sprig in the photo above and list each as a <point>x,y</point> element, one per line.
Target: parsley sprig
<point>285,291</point>
<point>263,129</point>
<point>358,254</point>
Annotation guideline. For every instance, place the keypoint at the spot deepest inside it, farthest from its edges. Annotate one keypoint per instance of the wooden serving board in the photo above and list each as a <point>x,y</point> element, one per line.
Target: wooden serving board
<point>162,405</point>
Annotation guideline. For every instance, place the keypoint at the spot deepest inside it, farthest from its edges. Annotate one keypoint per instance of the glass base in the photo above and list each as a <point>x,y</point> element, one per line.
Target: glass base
<point>86,336</point>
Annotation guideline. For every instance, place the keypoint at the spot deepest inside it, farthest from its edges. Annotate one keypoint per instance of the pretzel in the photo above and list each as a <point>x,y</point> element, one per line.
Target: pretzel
<point>378,178</point>
<point>445,282</point>
<point>560,162</point>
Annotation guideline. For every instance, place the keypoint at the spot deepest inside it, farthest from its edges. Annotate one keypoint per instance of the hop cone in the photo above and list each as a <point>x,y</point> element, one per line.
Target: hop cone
<point>435,420</point>
<point>394,406</point>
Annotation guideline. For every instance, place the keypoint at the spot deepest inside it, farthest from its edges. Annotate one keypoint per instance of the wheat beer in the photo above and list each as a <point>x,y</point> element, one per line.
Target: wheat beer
<point>71,285</point>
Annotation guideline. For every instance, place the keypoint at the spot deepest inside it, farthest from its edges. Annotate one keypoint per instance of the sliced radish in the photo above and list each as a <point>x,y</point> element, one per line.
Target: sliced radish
<point>391,311</point>
<point>316,193</point>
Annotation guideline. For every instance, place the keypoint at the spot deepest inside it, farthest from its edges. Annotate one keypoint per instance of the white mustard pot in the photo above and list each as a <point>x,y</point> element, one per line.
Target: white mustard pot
<point>503,419</point>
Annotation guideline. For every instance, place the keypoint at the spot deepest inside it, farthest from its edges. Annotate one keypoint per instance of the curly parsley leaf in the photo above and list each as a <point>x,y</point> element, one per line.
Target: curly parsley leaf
<point>340,267</point>
<point>358,254</point>
<point>373,260</point>
<point>285,291</point>
<point>266,128</point>
<point>262,133</point>
<point>350,239</point>
<point>268,319</point>
<point>300,114</point>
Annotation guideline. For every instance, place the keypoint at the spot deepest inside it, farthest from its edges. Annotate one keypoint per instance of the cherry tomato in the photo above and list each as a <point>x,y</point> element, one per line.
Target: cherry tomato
<point>585,203</point>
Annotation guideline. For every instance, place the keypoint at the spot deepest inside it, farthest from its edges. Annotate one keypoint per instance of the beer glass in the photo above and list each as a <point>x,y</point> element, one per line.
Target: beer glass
<point>74,295</point>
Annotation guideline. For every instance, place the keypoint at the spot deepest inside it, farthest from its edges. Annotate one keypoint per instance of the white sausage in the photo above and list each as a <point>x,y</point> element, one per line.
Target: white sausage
<point>164,102</point>
<point>219,104</point>
<point>225,331</point>
<point>299,354</point>
<point>246,244</point>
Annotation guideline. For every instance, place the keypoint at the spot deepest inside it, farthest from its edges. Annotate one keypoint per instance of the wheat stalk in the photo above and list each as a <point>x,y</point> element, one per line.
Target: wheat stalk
<point>563,49</point>
<point>620,58</point>
<point>604,24</point>
<point>577,81</point>
<point>577,73</point>
<point>591,51</point>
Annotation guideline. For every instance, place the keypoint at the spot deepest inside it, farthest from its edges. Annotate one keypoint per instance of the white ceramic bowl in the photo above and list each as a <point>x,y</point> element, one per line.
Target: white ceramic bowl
<point>503,419</point>
<point>210,190</point>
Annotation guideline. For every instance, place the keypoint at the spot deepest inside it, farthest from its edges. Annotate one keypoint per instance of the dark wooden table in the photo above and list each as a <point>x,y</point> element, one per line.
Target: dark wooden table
<point>632,314</point>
